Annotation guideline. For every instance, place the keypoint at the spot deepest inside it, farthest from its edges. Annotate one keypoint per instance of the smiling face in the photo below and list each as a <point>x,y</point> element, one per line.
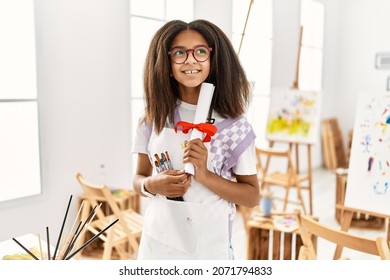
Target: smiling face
<point>191,74</point>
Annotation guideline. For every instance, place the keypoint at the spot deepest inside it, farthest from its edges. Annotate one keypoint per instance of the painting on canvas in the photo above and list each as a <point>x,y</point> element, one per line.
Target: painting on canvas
<point>294,116</point>
<point>369,167</point>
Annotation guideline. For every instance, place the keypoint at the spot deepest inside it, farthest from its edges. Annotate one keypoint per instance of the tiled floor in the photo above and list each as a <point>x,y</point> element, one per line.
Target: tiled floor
<point>324,194</point>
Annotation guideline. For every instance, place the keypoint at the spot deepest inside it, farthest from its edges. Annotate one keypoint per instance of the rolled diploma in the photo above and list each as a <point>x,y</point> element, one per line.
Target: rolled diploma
<point>202,111</point>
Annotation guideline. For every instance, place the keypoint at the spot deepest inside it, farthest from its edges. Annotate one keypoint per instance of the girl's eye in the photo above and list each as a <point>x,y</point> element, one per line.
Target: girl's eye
<point>201,51</point>
<point>179,52</point>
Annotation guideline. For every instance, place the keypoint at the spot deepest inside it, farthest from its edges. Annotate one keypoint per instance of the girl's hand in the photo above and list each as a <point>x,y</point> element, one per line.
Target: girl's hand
<point>195,152</point>
<point>171,183</point>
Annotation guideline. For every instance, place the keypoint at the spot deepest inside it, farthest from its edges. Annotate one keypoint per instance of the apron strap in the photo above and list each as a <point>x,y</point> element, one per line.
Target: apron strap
<point>226,123</point>
<point>176,116</point>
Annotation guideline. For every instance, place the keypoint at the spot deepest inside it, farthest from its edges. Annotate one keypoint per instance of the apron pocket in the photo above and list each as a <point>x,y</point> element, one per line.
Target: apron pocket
<point>174,223</point>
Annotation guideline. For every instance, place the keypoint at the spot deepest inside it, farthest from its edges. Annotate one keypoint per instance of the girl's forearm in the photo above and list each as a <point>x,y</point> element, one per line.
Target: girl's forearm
<point>243,192</point>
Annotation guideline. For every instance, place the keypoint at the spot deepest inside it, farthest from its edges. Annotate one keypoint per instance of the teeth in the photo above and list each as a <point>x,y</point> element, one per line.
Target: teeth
<point>191,71</point>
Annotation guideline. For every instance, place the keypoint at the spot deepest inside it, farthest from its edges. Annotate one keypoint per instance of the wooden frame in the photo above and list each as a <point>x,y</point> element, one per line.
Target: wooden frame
<point>291,178</point>
<point>122,237</point>
<point>347,215</point>
<point>309,227</point>
<point>361,220</point>
<point>265,241</point>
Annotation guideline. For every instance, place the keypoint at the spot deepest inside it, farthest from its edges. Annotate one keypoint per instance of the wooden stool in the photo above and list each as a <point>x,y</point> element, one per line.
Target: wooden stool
<point>266,241</point>
<point>358,220</point>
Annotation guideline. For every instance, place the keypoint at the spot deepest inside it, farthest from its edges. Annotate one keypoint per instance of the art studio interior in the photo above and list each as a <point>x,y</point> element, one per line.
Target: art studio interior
<point>72,91</point>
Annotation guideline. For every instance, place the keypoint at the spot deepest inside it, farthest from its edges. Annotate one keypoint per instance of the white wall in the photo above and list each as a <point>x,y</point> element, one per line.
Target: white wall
<point>286,28</point>
<point>218,12</point>
<point>364,28</point>
<point>83,91</point>
<point>331,65</point>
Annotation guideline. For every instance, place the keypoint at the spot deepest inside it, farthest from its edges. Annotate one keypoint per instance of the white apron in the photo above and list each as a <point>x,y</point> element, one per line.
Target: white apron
<point>196,228</point>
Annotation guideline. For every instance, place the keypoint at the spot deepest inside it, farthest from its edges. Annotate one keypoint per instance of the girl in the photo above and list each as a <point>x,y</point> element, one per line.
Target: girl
<point>190,216</point>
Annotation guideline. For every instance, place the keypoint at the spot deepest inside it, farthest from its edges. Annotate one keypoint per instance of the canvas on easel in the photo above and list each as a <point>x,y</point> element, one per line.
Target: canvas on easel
<point>294,116</point>
<point>369,167</point>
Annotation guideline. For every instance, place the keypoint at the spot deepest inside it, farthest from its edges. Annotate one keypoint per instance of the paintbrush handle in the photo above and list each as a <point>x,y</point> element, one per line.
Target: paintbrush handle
<point>24,248</point>
<point>91,240</point>
<point>62,228</point>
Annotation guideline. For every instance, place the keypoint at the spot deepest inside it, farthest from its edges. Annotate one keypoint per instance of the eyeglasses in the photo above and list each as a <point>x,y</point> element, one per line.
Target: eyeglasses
<point>180,55</point>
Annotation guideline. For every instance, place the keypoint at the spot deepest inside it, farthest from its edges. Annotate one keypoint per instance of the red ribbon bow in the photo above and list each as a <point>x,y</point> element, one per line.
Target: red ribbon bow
<point>207,128</point>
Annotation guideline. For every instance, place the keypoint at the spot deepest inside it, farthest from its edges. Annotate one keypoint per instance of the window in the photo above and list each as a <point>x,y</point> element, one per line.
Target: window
<point>311,53</point>
<point>19,141</point>
<point>144,22</point>
<point>255,55</point>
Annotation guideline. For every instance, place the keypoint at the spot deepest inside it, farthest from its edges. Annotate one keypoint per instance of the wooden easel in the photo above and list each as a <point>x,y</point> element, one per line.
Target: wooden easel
<point>294,148</point>
<point>346,220</point>
<point>246,22</point>
<point>296,81</point>
<point>309,176</point>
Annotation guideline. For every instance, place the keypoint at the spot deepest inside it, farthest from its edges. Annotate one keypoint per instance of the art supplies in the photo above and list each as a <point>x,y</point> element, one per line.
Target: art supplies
<point>62,227</point>
<point>285,223</point>
<point>24,248</point>
<point>66,251</point>
<point>162,164</point>
<point>169,160</point>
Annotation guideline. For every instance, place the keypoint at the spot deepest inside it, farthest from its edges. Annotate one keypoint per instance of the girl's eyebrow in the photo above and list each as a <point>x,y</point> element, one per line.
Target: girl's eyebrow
<point>182,47</point>
<point>177,47</point>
